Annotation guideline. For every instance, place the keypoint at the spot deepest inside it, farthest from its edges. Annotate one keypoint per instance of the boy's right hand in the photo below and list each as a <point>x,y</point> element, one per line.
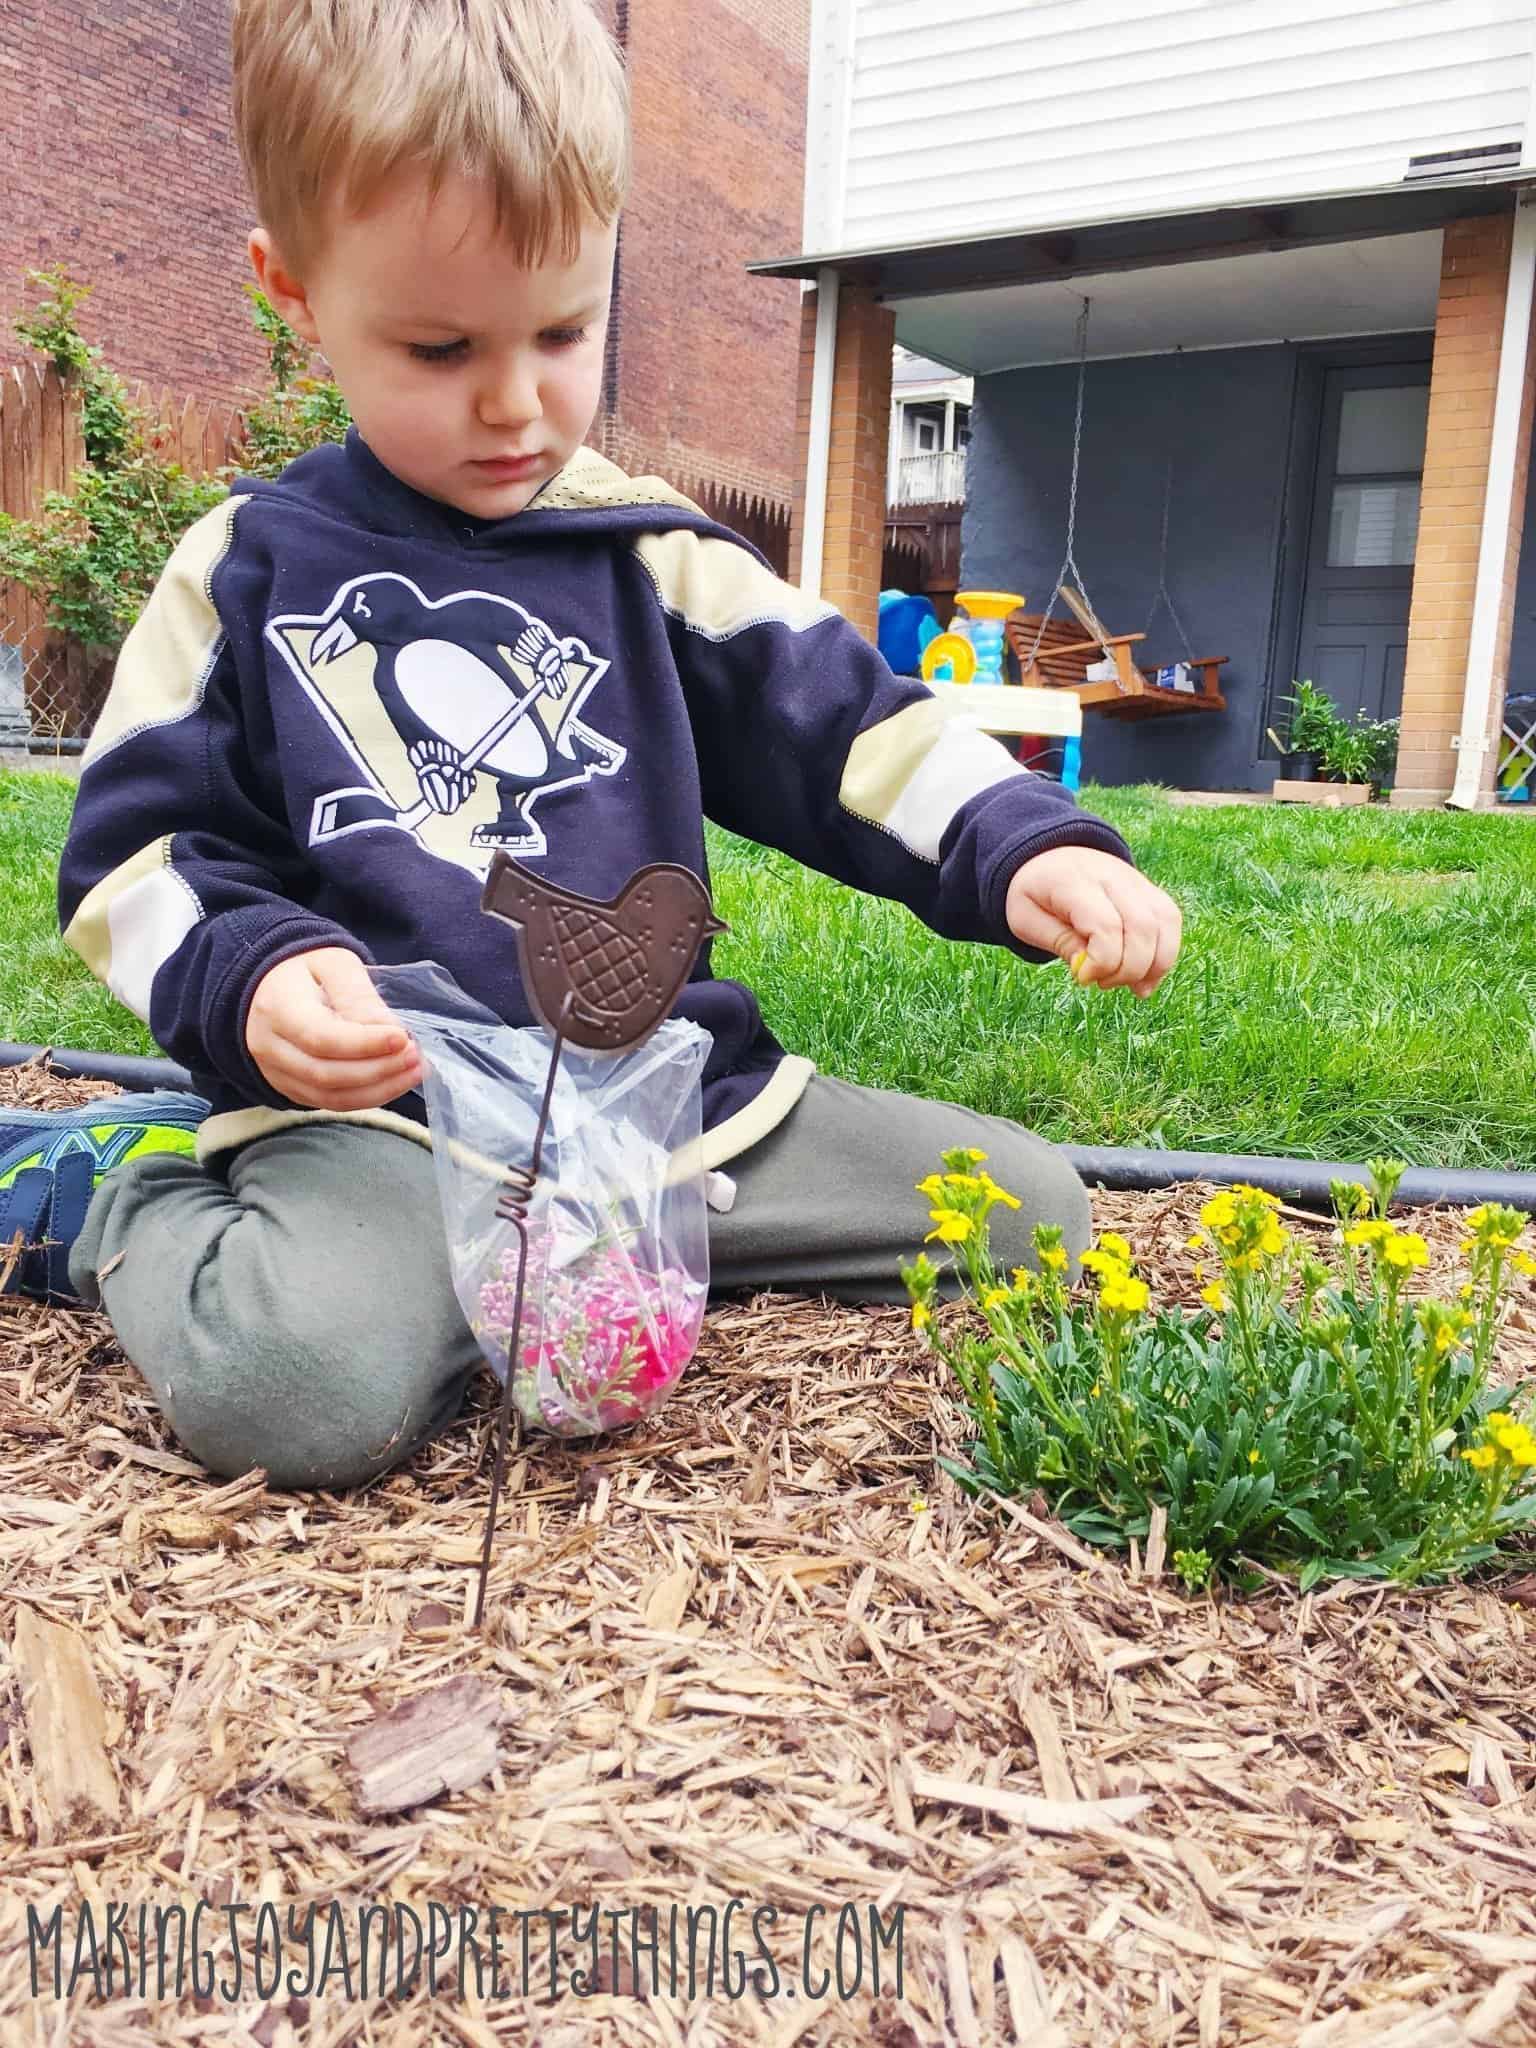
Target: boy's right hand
<point>323,1035</point>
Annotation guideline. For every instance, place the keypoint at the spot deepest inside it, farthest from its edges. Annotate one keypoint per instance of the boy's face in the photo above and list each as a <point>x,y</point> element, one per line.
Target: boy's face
<point>469,378</point>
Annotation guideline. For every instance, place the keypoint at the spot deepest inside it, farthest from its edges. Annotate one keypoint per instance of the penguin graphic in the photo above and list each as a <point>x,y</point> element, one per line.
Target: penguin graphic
<point>472,685</point>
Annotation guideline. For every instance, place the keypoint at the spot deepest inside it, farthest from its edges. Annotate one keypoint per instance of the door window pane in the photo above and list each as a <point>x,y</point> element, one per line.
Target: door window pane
<point>1382,429</point>
<point>1373,526</point>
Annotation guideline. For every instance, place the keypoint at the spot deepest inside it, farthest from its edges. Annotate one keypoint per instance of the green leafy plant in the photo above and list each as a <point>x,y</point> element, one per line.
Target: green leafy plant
<point>1362,751</point>
<point>94,552</point>
<point>1315,1418</point>
<point>299,410</point>
<point>1313,718</point>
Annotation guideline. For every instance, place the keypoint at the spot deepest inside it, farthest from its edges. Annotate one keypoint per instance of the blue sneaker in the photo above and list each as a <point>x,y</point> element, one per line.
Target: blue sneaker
<point>53,1160</point>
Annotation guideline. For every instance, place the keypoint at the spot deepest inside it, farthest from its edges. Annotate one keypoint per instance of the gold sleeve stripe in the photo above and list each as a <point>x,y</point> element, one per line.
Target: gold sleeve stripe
<point>169,653</point>
<point>717,589</point>
<point>912,772</point>
<point>130,924</point>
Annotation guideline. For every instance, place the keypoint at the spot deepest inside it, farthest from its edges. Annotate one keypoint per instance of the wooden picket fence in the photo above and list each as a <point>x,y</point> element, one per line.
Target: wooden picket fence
<point>41,449</point>
<point>763,521</point>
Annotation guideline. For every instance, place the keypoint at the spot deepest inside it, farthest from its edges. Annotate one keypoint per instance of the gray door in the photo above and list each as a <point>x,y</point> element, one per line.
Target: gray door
<point>1365,522</point>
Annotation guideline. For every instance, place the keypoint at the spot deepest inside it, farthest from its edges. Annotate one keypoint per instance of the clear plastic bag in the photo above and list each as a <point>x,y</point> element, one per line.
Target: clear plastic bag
<point>618,1243</point>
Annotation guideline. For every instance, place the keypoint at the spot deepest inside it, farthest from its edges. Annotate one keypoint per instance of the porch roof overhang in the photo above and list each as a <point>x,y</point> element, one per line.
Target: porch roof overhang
<point>972,303</point>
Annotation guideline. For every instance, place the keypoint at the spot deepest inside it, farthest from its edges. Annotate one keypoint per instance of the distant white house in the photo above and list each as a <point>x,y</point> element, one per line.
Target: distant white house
<point>1302,232</point>
<point>930,432</point>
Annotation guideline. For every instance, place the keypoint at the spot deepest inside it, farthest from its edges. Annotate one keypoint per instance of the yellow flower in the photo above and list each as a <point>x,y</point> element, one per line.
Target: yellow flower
<point>1219,1213</point>
<point>995,1193</point>
<point>1274,1240</point>
<point>919,1507</point>
<point>1104,1263</point>
<point>971,1155</point>
<point>1525,1454</point>
<point>1499,1419</point>
<point>1095,1390</point>
<point>1482,1457</point>
<point>962,1183</point>
<point>950,1227</point>
<point>994,1298</point>
<point>1370,1232</point>
<point>932,1188</point>
<point>1214,1296</point>
<point>1253,1194</point>
<point>1524,1263</point>
<point>1253,1457</point>
<point>1193,1244</point>
<point>1465,1291</point>
<point>922,1315</point>
<point>1405,1250</point>
<point>1124,1295</point>
<point>1023,1280</point>
<point>1054,1259</point>
<point>1112,1242</point>
<point>1513,1437</point>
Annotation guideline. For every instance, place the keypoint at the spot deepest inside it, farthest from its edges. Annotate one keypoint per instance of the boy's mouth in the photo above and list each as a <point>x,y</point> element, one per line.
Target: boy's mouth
<point>506,468</point>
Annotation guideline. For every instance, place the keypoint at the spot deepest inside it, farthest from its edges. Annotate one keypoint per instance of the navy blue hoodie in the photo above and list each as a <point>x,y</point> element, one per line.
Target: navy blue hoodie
<point>344,696</point>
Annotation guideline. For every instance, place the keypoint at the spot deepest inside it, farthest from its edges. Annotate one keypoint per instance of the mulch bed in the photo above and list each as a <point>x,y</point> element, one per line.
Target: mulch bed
<point>764,1650</point>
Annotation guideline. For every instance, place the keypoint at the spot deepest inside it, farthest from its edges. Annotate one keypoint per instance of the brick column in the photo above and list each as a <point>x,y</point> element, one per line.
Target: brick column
<point>1474,277</point>
<point>861,418</point>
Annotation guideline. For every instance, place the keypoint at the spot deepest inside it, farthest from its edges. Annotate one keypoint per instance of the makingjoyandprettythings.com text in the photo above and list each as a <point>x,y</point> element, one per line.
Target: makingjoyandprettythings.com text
<point>380,1950</point>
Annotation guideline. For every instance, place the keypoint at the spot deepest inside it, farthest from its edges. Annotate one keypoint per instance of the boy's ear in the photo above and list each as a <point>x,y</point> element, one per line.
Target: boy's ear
<point>282,288</point>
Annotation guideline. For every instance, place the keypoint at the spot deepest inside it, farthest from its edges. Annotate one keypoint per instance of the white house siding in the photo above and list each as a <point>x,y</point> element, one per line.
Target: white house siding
<point>933,120</point>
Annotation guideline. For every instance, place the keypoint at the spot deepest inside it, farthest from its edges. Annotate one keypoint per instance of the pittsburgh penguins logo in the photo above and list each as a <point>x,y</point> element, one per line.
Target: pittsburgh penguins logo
<point>461,714</point>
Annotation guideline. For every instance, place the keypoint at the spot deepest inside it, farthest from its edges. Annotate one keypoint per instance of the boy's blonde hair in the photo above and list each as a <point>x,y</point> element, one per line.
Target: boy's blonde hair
<point>333,96</point>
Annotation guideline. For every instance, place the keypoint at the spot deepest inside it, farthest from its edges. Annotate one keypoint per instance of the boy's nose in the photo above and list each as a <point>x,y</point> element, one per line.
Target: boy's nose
<point>510,396</point>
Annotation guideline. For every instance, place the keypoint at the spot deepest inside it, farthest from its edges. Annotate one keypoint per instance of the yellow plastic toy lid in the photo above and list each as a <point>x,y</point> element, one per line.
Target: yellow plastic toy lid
<point>989,604</point>
<point>953,648</point>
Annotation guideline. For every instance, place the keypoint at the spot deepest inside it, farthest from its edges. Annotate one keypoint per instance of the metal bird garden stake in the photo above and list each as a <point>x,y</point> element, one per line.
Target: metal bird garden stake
<point>601,976</point>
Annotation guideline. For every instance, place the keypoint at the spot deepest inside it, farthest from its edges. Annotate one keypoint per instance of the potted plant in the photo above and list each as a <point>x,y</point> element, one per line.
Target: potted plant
<point>1312,723</point>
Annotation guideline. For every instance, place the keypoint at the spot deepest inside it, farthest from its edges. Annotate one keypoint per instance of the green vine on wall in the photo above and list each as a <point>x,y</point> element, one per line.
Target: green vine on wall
<point>94,552</point>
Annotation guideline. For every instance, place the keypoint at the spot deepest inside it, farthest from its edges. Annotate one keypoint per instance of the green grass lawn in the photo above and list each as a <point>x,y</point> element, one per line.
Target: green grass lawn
<point>1352,982</point>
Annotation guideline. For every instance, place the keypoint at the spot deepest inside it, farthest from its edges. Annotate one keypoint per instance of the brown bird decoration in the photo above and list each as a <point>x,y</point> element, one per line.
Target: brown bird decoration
<point>603,974</point>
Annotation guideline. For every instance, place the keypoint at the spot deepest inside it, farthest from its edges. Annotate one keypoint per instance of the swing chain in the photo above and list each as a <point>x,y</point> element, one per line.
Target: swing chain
<point>1069,561</point>
<point>1162,595</point>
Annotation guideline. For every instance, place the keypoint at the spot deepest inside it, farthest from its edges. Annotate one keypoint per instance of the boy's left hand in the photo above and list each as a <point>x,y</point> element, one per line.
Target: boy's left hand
<point>1075,899</point>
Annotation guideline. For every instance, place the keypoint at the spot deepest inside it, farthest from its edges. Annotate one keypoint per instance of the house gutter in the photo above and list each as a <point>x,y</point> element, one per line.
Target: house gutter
<point>1474,739</point>
<point>1121,1168</point>
<point>818,453</point>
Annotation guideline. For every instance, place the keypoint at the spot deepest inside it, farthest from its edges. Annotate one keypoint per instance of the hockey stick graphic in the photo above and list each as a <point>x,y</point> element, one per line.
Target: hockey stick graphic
<point>549,669</point>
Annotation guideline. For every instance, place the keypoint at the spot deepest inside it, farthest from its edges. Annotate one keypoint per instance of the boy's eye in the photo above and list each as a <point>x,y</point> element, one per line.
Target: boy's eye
<point>564,337</point>
<point>438,351</point>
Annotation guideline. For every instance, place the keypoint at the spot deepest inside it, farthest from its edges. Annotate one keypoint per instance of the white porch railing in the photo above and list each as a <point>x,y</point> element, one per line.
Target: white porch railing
<point>937,478</point>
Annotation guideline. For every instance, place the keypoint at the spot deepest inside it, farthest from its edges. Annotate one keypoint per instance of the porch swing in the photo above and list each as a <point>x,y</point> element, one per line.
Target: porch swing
<point>1051,652</point>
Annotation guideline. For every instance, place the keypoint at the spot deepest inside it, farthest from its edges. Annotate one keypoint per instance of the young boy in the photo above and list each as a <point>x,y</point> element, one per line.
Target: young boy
<point>463,631</point>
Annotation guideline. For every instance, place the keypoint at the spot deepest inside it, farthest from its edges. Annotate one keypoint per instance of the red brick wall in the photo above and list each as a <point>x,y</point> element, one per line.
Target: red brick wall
<point>121,166</point>
<point>706,353</point>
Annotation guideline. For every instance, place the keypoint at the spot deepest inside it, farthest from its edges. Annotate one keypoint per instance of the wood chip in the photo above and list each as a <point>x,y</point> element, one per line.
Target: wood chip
<point>438,1742</point>
<point>73,1783</point>
<point>1041,1816</point>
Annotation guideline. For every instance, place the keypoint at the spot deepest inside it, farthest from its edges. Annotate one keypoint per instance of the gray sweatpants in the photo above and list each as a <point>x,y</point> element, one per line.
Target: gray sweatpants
<point>293,1307</point>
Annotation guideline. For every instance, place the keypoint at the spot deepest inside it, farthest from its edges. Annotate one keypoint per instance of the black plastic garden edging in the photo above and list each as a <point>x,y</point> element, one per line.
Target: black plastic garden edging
<point>1303,1181</point>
